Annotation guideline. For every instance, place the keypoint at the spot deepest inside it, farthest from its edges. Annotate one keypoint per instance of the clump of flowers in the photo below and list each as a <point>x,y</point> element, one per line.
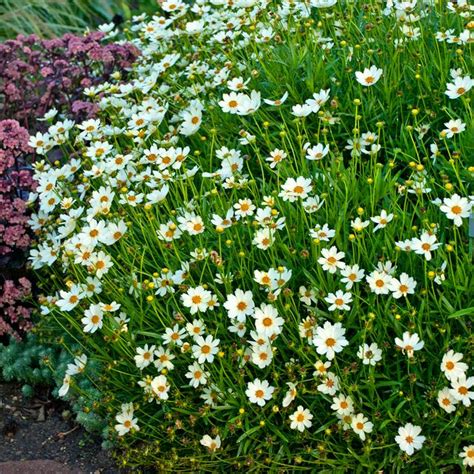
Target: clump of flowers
<point>37,75</point>
<point>262,239</point>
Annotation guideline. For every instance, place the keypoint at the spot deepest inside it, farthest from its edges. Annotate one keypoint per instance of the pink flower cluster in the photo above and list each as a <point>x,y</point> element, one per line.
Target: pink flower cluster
<point>14,313</point>
<point>36,74</point>
<point>15,183</point>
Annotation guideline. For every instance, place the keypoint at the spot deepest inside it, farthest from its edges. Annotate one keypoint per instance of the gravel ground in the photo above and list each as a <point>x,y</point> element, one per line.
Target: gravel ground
<point>37,430</point>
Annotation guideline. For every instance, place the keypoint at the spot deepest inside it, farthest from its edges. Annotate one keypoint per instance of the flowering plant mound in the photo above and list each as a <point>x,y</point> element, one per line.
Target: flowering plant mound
<point>261,243</point>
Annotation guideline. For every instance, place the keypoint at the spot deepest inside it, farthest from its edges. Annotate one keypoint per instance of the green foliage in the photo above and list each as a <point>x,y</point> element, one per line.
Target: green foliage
<point>50,18</point>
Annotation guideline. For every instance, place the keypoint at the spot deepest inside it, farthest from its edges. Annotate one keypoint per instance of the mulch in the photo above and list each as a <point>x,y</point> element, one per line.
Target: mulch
<point>39,436</point>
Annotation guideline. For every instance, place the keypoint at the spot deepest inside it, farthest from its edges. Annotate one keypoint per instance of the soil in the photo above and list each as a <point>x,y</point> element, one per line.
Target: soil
<point>41,430</point>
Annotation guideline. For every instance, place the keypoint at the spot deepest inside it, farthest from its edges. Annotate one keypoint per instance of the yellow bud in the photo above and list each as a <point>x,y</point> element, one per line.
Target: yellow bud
<point>431,275</point>
<point>147,206</point>
<point>150,298</point>
<point>262,423</point>
<point>241,411</point>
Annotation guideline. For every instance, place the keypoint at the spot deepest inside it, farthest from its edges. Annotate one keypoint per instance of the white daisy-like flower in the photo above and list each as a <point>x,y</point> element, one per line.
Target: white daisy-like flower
<point>369,76</point>
<point>259,392</point>
<point>330,339</point>
<point>301,419</point>
<point>409,438</point>
<point>451,365</point>
<point>205,349</point>
<point>331,260</point>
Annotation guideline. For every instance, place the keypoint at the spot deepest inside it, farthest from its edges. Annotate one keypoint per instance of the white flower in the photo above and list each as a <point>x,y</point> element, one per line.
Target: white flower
<point>262,355</point>
<point>277,102</point>
<point>369,76</point>
<point>382,220</point>
<point>264,238</point>
<point>409,343</point>
<point>293,189</point>
<point>451,365</point>
<point>211,443</point>
<point>307,295</point>
<point>359,225</point>
<point>299,110</point>
<point>370,354</point>
<point>330,339</point>
<point>446,401</point>
<point>342,405</point>
<point>339,300</point>
<point>425,245</point>
<point>322,3</point>
<point>93,318</point>
<point>267,321</point>
<point>126,421</point>
<point>379,282</point>
<point>453,127</point>
<point>276,157</point>
<point>144,356</point>
<point>330,384</point>
<point>196,375</point>
<point>174,335</point>
<point>352,274</point>
<point>163,359</point>
<point>301,419</point>
<point>290,394</point>
<point>259,392</point>
<point>456,208</point>
<point>78,366</point>
<point>317,152</point>
<point>460,389</point>
<point>70,299</point>
<point>403,286</point>
<point>160,387</point>
<point>65,386</point>
<point>467,455</point>
<point>196,299</point>
<point>331,259</point>
<point>361,425</point>
<point>409,438</point>
<point>459,87</point>
<point>205,349</point>
<point>323,233</point>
